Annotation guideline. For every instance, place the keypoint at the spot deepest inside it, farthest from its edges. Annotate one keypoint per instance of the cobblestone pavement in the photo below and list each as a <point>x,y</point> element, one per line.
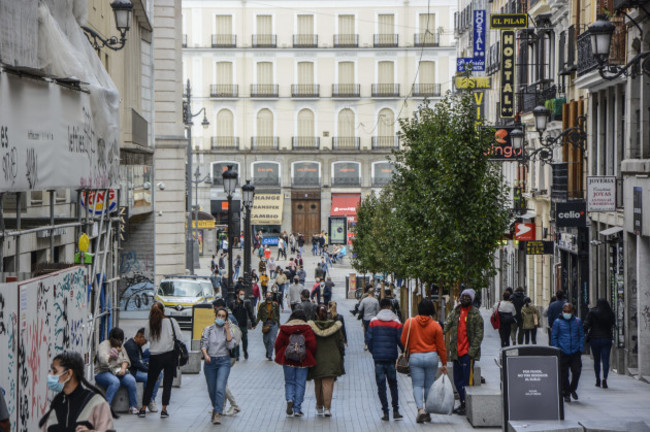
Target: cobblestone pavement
<point>258,386</point>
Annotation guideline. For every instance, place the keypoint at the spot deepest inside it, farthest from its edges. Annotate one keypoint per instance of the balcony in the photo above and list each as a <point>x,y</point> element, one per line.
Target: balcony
<point>265,143</point>
<point>346,90</point>
<point>346,143</point>
<point>385,142</point>
<point>224,142</point>
<point>184,41</point>
<point>305,41</point>
<point>385,40</point>
<point>224,90</point>
<point>305,90</point>
<point>346,181</point>
<point>586,60</point>
<point>264,41</point>
<point>530,96</point>
<point>305,143</point>
<point>427,90</point>
<point>346,41</point>
<point>426,39</point>
<point>264,90</point>
<point>385,90</point>
<point>224,41</point>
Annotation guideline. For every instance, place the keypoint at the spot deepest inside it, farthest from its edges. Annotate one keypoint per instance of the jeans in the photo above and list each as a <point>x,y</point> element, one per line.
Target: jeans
<point>517,332</point>
<point>424,367</point>
<point>166,362</point>
<point>386,371</point>
<point>269,340</point>
<point>314,250</point>
<point>573,363</point>
<point>295,382</point>
<point>600,349</point>
<point>112,383</point>
<point>530,335</point>
<point>216,377</point>
<point>463,371</point>
<point>283,287</point>
<point>142,377</point>
<point>236,274</point>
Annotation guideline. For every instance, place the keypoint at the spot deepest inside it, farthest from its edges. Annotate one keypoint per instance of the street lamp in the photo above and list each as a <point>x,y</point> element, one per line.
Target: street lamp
<point>122,11</point>
<point>187,121</point>
<point>248,195</point>
<point>541,115</point>
<point>601,33</point>
<point>229,185</point>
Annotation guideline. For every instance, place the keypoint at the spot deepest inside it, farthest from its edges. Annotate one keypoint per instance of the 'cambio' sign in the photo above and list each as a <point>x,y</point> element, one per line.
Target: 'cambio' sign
<point>571,214</point>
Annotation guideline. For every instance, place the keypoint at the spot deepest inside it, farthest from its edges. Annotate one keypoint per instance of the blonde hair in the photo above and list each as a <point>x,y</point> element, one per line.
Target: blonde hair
<point>332,306</point>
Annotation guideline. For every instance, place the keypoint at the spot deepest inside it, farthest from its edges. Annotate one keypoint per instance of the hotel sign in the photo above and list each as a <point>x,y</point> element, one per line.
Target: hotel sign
<point>507,74</point>
<point>473,83</point>
<point>508,21</point>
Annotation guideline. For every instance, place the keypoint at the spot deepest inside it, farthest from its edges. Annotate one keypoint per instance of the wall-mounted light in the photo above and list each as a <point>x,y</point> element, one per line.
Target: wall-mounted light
<point>122,12</point>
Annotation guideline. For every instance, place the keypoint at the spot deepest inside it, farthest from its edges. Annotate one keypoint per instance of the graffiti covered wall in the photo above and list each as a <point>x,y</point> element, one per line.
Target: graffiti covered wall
<point>137,265</point>
<point>50,315</point>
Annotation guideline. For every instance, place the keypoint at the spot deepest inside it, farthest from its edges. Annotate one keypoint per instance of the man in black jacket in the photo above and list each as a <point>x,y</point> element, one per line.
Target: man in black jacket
<point>139,367</point>
<point>517,331</point>
<point>242,309</point>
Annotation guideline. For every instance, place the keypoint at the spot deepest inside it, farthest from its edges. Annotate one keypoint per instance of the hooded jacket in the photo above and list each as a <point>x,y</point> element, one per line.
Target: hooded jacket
<point>288,329</point>
<point>330,350</point>
<point>568,335</point>
<point>518,299</point>
<point>599,324</point>
<point>426,336</point>
<point>383,336</point>
<point>474,332</point>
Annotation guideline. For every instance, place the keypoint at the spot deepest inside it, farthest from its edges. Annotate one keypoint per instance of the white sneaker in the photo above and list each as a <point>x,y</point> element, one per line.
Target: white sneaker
<point>328,413</point>
<point>320,410</point>
<point>233,410</point>
<point>152,406</point>
<point>134,410</point>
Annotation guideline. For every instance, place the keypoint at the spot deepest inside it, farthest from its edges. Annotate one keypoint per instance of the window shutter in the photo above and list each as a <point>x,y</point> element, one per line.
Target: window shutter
<point>385,123</point>
<point>427,73</point>
<point>346,73</point>
<point>306,123</point>
<point>264,73</point>
<point>225,124</point>
<point>306,25</point>
<point>386,72</point>
<point>305,73</point>
<point>346,123</point>
<point>346,24</point>
<point>265,123</point>
<point>224,73</point>
<point>264,25</point>
<point>386,24</point>
<point>224,24</point>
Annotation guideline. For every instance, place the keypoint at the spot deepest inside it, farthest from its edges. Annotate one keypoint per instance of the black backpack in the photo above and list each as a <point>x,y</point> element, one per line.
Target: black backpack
<point>296,351</point>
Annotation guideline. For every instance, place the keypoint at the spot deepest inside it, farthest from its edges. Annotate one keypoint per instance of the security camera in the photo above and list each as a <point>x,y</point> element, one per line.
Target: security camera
<point>161,186</point>
<point>160,213</point>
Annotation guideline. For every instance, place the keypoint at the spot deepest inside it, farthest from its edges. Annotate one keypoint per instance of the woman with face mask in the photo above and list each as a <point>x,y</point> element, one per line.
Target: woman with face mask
<point>216,342</point>
<point>269,315</point>
<point>76,407</point>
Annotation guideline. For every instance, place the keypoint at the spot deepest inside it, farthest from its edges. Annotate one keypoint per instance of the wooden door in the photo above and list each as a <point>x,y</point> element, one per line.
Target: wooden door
<point>305,217</point>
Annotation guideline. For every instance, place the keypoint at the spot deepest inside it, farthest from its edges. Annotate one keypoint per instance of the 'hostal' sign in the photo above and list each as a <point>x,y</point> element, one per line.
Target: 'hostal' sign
<point>507,74</point>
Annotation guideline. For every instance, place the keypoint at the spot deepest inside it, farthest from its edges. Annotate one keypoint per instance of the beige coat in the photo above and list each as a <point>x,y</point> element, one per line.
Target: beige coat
<point>103,362</point>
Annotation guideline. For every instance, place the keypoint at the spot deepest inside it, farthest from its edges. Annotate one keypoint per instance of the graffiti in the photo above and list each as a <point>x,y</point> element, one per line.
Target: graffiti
<point>3,328</point>
<point>136,272</point>
<point>76,333</point>
<point>9,165</point>
<point>646,316</point>
<point>37,336</point>
<point>32,168</point>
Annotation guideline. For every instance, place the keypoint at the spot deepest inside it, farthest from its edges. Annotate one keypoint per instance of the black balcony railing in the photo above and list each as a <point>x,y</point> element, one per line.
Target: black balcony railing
<point>305,142</point>
<point>224,142</point>
<point>426,39</point>
<point>264,41</point>
<point>224,41</point>
<point>385,142</point>
<point>346,143</point>
<point>305,90</point>
<point>586,60</point>
<point>531,96</point>
<point>264,90</point>
<point>346,40</point>
<point>385,90</point>
<point>265,143</point>
<point>385,40</point>
<point>346,90</point>
<point>346,181</point>
<point>427,90</point>
<point>305,41</point>
<point>224,90</point>
<point>184,41</point>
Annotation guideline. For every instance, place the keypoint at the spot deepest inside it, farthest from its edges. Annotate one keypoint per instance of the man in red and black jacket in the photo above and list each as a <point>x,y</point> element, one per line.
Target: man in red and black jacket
<point>383,338</point>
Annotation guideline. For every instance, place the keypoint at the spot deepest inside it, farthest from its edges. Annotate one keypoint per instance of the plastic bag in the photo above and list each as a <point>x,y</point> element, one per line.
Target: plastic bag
<point>440,399</point>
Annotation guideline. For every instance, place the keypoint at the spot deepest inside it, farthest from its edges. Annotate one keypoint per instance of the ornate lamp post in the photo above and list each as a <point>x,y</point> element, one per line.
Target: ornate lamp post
<point>229,185</point>
<point>248,194</point>
<point>122,11</point>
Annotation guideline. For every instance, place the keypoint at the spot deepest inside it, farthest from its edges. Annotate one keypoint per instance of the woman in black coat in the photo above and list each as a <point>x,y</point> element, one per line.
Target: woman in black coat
<point>598,327</point>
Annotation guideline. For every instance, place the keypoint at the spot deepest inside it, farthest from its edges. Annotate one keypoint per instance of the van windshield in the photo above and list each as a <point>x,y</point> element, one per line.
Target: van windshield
<point>180,289</point>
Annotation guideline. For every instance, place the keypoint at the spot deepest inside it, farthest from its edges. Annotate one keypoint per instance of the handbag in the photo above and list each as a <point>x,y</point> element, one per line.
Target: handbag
<point>180,349</point>
<point>495,318</point>
<point>535,320</point>
<point>402,363</point>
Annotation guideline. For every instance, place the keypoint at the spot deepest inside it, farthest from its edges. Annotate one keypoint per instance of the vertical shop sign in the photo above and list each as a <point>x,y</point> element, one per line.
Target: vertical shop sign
<point>507,74</point>
<point>479,33</point>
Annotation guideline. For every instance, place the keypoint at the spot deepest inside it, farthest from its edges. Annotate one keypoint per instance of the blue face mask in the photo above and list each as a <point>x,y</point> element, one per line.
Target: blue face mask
<point>220,322</point>
<point>54,384</point>
<point>566,316</point>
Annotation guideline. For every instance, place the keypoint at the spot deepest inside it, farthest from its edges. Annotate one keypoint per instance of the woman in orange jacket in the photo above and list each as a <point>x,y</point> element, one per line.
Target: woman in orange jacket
<point>422,338</point>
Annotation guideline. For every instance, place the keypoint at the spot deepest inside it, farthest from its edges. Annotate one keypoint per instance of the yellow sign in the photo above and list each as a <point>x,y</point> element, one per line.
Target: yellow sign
<point>202,317</point>
<point>267,209</point>
<point>204,224</point>
<point>508,21</point>
<point>84,243</point>
<point>463,82</point>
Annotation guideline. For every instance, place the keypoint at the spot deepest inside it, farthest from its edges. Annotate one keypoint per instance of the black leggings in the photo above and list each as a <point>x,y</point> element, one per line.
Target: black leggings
<point>504,334</point>
<point>160,362</point>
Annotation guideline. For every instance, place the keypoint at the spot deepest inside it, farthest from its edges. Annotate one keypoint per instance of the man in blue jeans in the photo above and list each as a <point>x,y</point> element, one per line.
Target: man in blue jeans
<point>140,365</point>
<point>383,338</point>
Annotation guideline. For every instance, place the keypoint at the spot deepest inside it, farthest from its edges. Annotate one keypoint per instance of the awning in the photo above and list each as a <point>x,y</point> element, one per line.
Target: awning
<point>346,205</point>
<point>611,231</point>
<point>528,215</point>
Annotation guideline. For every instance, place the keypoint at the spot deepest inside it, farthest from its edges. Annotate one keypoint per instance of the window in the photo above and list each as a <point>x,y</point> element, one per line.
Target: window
<point>224,25</point>
<point>382,172</point>
<point>223,36</point>
<point>218,168</point>
<point>305,173</point>
<point>386,123</point>
<point>346,24</point>
<point>346,73</point>
<point>265,123</point>
<point>427,33</point>
<point>225,124</point>
<point>266,174</point>
<point>306,124</point>
<point>427,73</point>
<point>306,25</point>
<point>224,73</point>
<point>265,73</point>
<point>386,72</point>
<point>264,25</point>
<point>346,123</point>
<point>306,73</point>
<point>386,23</point>
<point>346,174</point>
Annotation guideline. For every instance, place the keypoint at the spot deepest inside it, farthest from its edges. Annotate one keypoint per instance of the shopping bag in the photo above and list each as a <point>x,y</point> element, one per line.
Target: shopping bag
<point>440,399</point>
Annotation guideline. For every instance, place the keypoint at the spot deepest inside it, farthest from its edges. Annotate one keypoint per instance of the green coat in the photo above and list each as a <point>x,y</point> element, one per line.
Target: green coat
<point>263,313</point>
<point>528,314</point>
<point>330,350</point>
<point>474,333</point>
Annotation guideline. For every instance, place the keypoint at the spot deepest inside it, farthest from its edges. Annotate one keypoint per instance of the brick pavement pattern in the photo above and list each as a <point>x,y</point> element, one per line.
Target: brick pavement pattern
<point>258,386</point>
